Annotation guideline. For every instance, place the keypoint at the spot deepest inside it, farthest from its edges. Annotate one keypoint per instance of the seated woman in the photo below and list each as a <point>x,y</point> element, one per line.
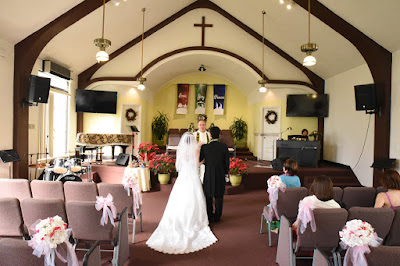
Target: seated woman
<point>391,199</point>
<point>289,176</point>
<point>321,191</point>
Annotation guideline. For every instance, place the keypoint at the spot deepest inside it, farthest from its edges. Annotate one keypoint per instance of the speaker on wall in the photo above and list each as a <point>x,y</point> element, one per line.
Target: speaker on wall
<point>39,88</point>
<point>123,159</point>
<point>365,97</point>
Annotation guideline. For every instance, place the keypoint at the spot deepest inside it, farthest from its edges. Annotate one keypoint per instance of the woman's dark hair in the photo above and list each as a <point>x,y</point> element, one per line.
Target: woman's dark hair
<point>322,188</point>
<point>304,130</point>
<point>291,166</point>
<point>390,179</point>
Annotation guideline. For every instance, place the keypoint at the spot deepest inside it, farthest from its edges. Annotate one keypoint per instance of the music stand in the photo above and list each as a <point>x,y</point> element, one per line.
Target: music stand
<point>134,130</point>
<point>9,156</point>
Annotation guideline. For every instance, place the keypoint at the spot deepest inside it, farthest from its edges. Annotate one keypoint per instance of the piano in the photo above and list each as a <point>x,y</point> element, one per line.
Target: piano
<point>92,140</point>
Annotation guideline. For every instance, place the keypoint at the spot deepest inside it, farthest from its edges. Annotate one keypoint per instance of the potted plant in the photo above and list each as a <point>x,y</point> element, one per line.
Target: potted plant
<point>159,126</point>
<point>147,151</point>
<point>163,166</point>
<point>237,168</point>
<point>239,131</point>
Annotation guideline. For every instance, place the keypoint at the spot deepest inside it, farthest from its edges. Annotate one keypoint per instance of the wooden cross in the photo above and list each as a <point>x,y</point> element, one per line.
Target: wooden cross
<point>203,25</point>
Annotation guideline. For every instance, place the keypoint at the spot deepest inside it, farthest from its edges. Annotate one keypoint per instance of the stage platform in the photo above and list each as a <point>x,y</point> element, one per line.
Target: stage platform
<point>256,179</point>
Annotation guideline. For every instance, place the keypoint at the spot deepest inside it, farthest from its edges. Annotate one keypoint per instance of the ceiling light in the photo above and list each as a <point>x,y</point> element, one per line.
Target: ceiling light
<point>281,2</point>
<point>309,47</point>
<point>141,80</point>
<point>262,82</point>
<point>102,43</point>
<point>202,68</point>
<point>289,6</point>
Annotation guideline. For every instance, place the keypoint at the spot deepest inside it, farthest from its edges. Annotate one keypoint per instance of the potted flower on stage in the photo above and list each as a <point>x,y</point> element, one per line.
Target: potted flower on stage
<point>237,168</point>
<point>163,166</point>
<point>159,126</point>
<point>147,151</point>
<point>239,131</point>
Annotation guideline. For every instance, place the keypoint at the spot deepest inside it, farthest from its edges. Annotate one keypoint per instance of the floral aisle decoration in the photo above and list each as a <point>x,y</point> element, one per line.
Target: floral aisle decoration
<point>271,117</point>
<point>237,168</point>
<point>147,151</point>
<point>130,115</point>
<point>109,210</point>
<point>274,185</point>
<point>163,166</point>
<point>356,236</point>
<point>202,117</point>
<point>50,233</point>
<point>131,182</point>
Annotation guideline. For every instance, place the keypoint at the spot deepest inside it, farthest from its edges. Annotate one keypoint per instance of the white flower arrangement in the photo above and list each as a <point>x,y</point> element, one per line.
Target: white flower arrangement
<point>130,179</point>
<point>357,233</point>
<point>274,182</point>
<point>51,231</point>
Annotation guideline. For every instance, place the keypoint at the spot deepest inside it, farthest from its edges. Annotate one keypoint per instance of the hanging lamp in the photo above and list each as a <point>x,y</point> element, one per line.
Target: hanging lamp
<point>262,82</point>
<point>309,47</point>
<point>141,79</point>
<point>102,55</point>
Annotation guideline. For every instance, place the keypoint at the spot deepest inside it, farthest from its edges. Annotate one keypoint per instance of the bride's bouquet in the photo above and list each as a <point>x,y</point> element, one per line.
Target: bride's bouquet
<point>356,236</point>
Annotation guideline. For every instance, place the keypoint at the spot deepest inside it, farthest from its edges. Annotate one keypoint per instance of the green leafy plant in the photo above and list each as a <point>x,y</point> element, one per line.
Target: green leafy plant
<point>159,126</point>
<point>238,128</point>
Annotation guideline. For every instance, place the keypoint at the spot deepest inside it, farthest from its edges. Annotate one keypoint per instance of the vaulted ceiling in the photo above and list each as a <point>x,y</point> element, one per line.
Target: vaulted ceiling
<point>287,29</point>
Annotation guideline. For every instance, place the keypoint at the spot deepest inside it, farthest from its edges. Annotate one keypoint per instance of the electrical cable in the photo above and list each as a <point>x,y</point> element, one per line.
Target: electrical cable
<point>365,140</point>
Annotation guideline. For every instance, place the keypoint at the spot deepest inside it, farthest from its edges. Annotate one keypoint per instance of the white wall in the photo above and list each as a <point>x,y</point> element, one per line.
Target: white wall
<point>395,109</point>
<point>345,128</point>
<point>6,100</point>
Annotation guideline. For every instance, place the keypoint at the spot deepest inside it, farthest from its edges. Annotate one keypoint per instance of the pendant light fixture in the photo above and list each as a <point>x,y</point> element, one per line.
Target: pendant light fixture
<point>309,47</point>
<point>141,79</point>
<point>102,43</point>
<point>262,82</point>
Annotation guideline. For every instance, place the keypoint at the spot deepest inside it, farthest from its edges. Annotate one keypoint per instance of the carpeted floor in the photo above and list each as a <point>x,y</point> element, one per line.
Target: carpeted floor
<point>238,233</point>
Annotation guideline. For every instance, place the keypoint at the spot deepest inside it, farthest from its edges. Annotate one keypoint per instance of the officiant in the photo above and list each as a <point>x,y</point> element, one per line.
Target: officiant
<point>203,137</point>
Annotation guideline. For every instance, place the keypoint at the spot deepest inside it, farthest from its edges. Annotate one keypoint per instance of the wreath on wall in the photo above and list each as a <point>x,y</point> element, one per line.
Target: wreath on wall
<point>130,114</point>
<point>271,117</point>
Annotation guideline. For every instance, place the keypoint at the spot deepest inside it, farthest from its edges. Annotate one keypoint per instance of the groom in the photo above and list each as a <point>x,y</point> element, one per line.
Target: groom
<point>216,156</point>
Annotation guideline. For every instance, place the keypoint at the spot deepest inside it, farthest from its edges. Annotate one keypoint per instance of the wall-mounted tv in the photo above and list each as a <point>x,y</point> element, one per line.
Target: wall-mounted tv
<point>96,101</point>
<point>307,105</point>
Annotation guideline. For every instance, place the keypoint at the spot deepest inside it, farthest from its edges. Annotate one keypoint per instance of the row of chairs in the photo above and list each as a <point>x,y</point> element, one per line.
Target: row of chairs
<point>70,191</point>
<point>288,201</point>
<point>329,222</point>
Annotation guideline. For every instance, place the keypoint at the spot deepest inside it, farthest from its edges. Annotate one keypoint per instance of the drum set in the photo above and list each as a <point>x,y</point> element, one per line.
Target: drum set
<point>65,170</point>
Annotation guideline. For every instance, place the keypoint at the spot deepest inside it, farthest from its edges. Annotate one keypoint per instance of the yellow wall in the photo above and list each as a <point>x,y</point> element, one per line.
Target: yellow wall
<point>296,123</point>
<point>165,100</point>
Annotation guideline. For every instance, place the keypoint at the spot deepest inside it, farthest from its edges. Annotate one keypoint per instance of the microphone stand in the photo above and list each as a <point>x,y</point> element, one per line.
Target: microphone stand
<point>280,134</point>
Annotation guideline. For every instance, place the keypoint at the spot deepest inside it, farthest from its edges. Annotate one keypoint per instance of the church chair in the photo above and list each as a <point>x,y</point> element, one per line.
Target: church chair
<point>15,252</point>
<point>337,194</point>
<point>47,189</point>
<point>173,131</point>
<point>320,258</point>
<point>287,205</point>
<point>121,201</point>
<point>393,238</point>
<point>84,220</point>
<point>383,255</point>
<point>380,218</point>
<point>93,256</point>
<point>182,131</point>
<point>226,137</point>
<point>380,189</point>
<point>35,209</point>
<point>11,222</point>
<point>80,191</point>
<point>15,188</point>
<point>359,197</point>
<point>326,237</point>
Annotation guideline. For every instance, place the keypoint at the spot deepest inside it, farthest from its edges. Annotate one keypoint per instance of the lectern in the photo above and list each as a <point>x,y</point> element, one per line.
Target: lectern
<point>304,152</point>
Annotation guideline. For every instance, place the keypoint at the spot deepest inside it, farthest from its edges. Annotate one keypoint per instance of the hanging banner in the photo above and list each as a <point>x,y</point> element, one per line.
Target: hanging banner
<point>201,92</point>
<point>219,99</point>
<point>183,99</point>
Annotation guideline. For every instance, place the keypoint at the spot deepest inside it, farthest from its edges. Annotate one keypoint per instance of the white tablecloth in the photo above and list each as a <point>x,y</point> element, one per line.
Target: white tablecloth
<point>143,175</point>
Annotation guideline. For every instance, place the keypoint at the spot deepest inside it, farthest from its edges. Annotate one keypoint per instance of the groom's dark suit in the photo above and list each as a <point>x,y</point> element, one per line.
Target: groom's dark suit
<point>216,157</point>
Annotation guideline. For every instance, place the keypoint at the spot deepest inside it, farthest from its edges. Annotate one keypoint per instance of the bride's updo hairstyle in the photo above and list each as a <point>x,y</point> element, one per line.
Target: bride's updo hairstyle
<point>186,153</point>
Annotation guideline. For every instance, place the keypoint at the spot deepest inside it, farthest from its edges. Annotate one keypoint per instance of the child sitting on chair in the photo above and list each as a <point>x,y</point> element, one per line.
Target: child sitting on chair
<point>289,176</point>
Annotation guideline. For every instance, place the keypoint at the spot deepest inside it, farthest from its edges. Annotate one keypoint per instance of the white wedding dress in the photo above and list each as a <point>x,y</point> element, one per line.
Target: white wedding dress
<point>184,225</point>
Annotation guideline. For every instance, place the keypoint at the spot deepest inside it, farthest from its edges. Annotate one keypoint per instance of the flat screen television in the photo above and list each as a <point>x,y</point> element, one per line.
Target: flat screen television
<point>307,105</point>
<point>96,101</point>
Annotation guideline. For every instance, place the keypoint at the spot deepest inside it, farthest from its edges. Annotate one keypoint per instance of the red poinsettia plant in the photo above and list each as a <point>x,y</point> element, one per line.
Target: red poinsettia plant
<point>148,148</point>
<point>237,166</point>
<point>162,165</point>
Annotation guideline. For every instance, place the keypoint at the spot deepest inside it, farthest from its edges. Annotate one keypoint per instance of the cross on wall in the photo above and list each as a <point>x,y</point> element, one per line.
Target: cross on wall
<point>203,26</point>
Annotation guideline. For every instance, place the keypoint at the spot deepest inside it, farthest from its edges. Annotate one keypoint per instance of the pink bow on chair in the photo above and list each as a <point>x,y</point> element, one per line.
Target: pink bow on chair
<point>106,204</point>
<point>273,199</point>
<point>306,215</point>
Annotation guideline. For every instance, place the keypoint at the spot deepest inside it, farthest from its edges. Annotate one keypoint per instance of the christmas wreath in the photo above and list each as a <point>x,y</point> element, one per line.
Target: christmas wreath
<point>130,114</point>
<point>271,117</point>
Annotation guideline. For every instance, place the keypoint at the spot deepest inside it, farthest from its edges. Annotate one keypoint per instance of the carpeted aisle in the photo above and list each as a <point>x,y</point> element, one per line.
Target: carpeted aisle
<point>239,239</point>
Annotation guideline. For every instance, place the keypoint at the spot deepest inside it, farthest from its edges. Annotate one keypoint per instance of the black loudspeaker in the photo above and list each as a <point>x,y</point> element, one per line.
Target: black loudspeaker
<point>123,159</point>
<point>277,164</point>
<point>365,97</point>
<point>39,88</point>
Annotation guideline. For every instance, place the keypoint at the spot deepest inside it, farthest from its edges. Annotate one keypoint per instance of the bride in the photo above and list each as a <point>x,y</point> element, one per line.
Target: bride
<point>184,225</point>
